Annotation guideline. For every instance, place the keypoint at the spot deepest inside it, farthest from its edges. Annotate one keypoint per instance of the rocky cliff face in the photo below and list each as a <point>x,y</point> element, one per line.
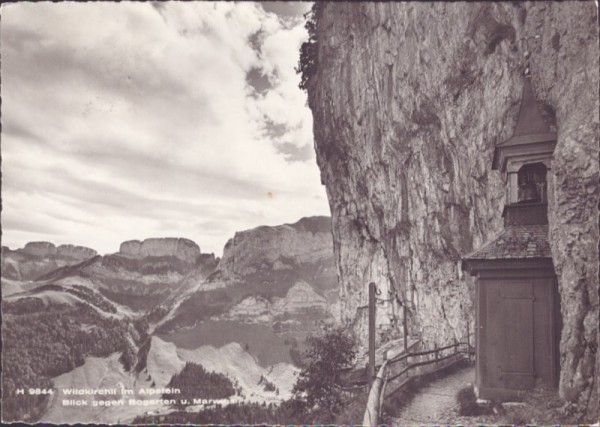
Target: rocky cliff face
<point>266,274</point>
<point>80,253</point>
<point>408,101</point>
<point>279,248</point>
<point>300,298</point>
<point>184,249</point>
<point>47,249</point>
<point>38,258</point>
<point>40,248</point>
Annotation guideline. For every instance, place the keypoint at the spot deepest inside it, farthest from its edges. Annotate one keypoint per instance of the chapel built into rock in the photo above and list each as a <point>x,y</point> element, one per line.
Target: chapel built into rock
<point>517,303</point>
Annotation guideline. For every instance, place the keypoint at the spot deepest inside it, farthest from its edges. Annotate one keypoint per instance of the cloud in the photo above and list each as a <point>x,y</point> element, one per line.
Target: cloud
<point>260,82</point>
<point>286,9</point>
<point>293,153</point>
<point>135,120</point>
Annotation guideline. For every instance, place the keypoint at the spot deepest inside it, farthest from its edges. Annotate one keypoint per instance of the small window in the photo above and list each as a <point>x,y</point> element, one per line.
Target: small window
<point>532,184</point>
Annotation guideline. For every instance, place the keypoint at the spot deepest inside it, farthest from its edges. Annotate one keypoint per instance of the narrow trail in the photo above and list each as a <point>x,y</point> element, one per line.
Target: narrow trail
<point>434,403</point>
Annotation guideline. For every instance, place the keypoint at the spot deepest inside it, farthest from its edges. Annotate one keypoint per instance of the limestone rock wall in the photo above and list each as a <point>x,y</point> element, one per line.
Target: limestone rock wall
<point>47,249</point>
<point>299,299</point>
<point>36,259</point>
<point>280,247</point>
<point>76,252</point>
<point>41,249</point>
<point>408,101</point>
<point>184,249</point>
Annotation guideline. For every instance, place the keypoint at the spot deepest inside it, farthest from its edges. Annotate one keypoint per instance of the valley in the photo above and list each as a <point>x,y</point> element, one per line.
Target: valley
<point>132,320</point>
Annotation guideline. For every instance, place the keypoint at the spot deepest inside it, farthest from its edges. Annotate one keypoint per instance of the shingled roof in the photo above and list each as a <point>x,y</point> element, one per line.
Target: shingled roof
<point>516,242</point>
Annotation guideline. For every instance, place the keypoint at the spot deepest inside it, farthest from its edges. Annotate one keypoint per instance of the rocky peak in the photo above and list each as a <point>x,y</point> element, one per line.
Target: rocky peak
<point>78,252</point>
<point>41,249</point>
<point>40,258</point>
<point>313,224</point>
<point>184,249</point>
<point>306,241</point>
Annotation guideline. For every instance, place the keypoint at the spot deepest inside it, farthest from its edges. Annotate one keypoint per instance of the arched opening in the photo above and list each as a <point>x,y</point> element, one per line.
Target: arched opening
<point>531,180</point>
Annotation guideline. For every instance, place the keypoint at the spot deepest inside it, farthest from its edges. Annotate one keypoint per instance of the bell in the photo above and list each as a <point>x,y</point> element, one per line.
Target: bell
<point>528,193</point>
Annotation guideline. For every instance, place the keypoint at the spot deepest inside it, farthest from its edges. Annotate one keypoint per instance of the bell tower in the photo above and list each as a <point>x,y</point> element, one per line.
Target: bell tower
<point>525,159</point>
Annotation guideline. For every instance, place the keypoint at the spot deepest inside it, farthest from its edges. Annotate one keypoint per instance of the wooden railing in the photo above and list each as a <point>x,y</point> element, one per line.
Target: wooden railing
<point>398,371</point>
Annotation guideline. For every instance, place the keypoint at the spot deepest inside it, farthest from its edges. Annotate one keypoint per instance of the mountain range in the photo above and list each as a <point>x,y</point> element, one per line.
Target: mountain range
<point>75,319</point>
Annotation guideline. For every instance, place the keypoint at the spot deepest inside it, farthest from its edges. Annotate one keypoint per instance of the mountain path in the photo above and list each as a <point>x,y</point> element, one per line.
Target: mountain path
<point>435,402</point>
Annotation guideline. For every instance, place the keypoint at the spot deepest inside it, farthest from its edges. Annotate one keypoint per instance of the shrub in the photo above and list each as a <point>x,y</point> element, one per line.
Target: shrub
<point>320,378</point>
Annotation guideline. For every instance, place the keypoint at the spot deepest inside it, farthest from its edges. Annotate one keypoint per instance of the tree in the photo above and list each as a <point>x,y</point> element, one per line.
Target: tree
<point>319,381</point>
<point>307,64</point>
<point>195,382</point>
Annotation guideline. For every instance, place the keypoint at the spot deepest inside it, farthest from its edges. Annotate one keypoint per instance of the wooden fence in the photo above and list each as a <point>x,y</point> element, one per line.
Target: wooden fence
<point>396,372</point>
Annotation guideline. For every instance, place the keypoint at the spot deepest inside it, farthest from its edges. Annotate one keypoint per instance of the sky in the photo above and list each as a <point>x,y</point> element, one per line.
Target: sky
<point>133,120</point>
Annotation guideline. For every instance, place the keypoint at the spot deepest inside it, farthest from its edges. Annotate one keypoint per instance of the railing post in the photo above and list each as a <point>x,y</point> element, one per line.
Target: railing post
<point>468,341</point>
<point>405,326</point>
<point>436,356</point>
<point>371,417</point>
<point>382,392</point>
<point>371,369</point>
<point>455,350</point>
